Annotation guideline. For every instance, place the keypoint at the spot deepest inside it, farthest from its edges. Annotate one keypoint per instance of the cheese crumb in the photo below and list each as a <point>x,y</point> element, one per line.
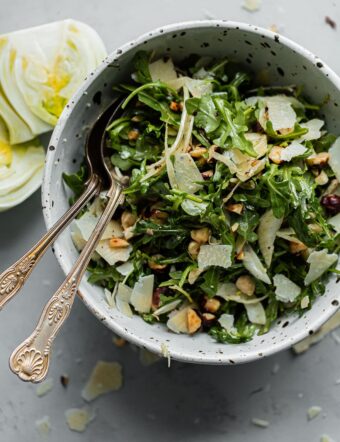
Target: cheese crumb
<point>313,412</point>
<point>105,377</point>
<point>262,423</point>
<point>43,425</point>
<point>78,419</point>
<point>252,5</point>
<point>44,388</point>
<point>166,353</point>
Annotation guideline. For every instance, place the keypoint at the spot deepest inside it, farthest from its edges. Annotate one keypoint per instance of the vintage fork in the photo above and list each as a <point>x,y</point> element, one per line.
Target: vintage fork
<point>13,279</point>
<point>30,361</point>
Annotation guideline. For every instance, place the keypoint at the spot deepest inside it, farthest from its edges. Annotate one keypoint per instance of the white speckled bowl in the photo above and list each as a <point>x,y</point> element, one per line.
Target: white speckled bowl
<point>260,50</point>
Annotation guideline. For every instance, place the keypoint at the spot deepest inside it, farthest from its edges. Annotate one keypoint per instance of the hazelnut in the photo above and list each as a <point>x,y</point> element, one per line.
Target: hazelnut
<point>201,235</point>
<point>117,243</point>
<point>208,320</point>
<point>246,284</point>
<point>127,219</point>
<point>198,152</point>
<point>154,265</point>
<point>234,227</point>
<point>194,321</point>
<point>235,208</point>
<point>297,247</point>
<point>212,305</point>
<point>322,178</point>
<point>133,134</point>
<point>174,106</point>
<point>207,174</point>
<point>319,159</point>
<point>315,228</point>
<point>193,249</point>
<point>119,342</point>
<point>240,255</point>
<point>275,155</point>
<point>158,216</point>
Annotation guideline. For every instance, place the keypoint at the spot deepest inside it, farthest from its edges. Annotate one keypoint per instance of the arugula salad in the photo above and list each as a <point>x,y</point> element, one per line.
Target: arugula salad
<point>231,216</point>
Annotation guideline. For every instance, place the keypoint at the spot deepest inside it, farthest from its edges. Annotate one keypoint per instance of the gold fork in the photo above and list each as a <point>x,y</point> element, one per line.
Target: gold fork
<point>30,361</point>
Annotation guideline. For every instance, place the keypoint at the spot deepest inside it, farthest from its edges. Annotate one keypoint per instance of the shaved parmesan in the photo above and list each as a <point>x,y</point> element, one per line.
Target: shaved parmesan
<point>43,426</point>
<point>256,313</point>
<point>253,264</point>
<point>110,298</point>
<point>226,289</point>
<point>113,255</point>
<point>87,223</point>
<point>249,169</point>
<point>267,230</point>
<point>259,142</point>
<point>313,412</point>
<point>196,87</point>
<point>293,150</point>
<point>319,262</point>
<point>125,269</point>
<point>123,297</point>
<point>78,419</point>
<point>193,208</point>
<point>313,127</point>
<point>186,173</point>
<point>45,387</point>
<point>244,166</point>
<point>280,98</point>
<point>288,235</point>
<point>178,321</point>
<point>226,321</point>
<point>141,297</point>
<point>214,255</point>
<point>252,5</point>
<point>286,290</point>
<point>105,377</point>
<point>167,307</point>
<point>335,222</point>
<point>334,158</point>
<point>281,114</point>
<point>163,70</point>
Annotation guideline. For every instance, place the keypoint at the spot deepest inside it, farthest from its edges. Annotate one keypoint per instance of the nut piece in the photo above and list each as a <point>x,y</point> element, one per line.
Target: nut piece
<point>193,249</point>
<point>212,305</point>
<point>240,255</point>
<point>234,227</point>
<point>297,247</point>
<point>158,216</point>
<point>117,243</point>
<point>331,203</point>
<point>154,265</point>
<point>174,106</point>
<point>315,228</point>
<point>246,284</point>
<point>286,131</point>
<point>235,208</point>
<point>194,321</point>
<point>275,155</point>
<point>319,159</point>
<point>208,320</point>
<point>119,342</point>
<point>133,134</point>
<point>198,152</point>
<point>201,235</point>
<point>322,178</point>
<point>207,174</point>
<point>128,219</point>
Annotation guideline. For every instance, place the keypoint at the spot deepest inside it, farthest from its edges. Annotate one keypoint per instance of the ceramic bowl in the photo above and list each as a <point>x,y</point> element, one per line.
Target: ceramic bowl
<point>267,54</point>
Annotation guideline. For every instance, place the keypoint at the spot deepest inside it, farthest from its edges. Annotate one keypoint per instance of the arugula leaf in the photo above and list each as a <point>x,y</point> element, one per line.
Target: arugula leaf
<point>141,64</point>
<point>76,181</point>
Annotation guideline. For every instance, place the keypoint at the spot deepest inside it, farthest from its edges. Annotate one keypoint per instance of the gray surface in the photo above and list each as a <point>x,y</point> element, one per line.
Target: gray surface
<point>184,403</point>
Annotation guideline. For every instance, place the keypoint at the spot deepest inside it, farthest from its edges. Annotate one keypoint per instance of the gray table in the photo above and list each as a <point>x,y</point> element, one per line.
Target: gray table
<point>185,402</point>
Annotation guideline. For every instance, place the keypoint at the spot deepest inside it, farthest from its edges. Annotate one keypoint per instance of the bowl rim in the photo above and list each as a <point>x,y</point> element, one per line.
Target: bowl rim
<point>49,161</point>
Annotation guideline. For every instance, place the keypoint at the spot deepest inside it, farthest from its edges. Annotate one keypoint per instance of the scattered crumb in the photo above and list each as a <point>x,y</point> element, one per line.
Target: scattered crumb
<point>252,5</point>
<point>330,22</point>
<point>105,377</point>
<point>274,28</point>
<point>43,425</point>
<point>64,380</point>
<point>44,388</point>
<point>325,438</point>
<point>118,342</point>
<point>262,423</point>
<point>313,412</point>
<point>147,358</point>
<point>78,418</point>
<point>166,353</point>
<point>330,325</point>
<point>275,368</point>
<point>304,302</point>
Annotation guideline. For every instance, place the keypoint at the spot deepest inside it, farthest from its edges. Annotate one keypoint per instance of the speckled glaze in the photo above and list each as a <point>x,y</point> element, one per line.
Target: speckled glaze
<point>269,55</point>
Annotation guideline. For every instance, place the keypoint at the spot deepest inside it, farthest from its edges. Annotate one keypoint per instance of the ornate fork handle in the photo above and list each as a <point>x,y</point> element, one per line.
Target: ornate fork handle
<point>12,279</point>
<point>30,361</point>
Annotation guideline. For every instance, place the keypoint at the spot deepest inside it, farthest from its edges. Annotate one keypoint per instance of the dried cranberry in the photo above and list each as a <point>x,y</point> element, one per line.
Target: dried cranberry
<point>156,296</point>
<point>331,203</point>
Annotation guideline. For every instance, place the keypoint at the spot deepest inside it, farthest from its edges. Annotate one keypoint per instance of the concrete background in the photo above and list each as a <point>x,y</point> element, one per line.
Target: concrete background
<point>185,402</point>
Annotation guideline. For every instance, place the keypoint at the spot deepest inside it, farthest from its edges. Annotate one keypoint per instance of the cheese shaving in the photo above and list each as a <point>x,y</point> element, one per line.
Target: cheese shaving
<point>105,377</point>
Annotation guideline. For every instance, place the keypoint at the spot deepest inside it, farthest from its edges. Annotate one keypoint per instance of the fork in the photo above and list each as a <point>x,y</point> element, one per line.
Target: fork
<point>13,279</point>
<point>30,360</point>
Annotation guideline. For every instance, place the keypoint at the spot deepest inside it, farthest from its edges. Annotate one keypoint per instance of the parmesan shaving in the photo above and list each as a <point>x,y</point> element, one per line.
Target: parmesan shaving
<point>267,230</point>
<point>141,297</point>
<point>78,419</point>
<point>319,262</point>
<point>286,290</point>
<point>214,255</point>
<point>45,387</point>
<point>253,264</point>
<point>105,377</point>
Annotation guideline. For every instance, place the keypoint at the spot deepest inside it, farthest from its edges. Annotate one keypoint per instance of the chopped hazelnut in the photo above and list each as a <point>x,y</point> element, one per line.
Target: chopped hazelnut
<point>297,247</point>
<point>240,255</point>
<point>198,152</point>
<point>119,342</point>
<point>194,321</point>
<point>315,228</point>
<point>116,243</point>
<point>158,216</point>
<point>154,265</point>
<point>246,284</point>
<point>174,106</point>
<point>193,249</point>
<point>208,320</point>
<point>319,159</point>
<point>275,154</point>
<point>212,305</point>
<point>133,134</point>
<point>235,208</point>
<point>201,235</point>
<point>322,178</point>
<point>207,174</point>
<point>127,219</point>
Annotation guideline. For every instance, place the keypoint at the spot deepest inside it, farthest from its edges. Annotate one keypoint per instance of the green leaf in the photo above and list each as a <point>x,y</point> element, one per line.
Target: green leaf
<point>76,181</point>
<point>211,279</point>
<point>141,65</point>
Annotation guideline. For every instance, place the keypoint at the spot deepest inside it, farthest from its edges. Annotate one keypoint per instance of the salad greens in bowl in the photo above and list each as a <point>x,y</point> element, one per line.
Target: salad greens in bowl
<point>226,244</point>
